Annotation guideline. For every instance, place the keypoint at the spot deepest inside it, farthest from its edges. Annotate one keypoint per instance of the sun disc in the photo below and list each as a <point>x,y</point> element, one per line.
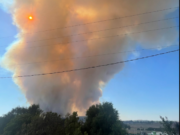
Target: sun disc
<point>30,17</point>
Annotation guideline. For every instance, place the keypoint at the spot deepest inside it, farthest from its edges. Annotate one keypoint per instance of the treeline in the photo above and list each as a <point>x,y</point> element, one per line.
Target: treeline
<point>101,119</point>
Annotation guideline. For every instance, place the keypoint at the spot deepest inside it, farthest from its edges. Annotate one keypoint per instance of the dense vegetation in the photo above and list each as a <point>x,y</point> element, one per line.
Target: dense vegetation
<point>101,119</point>
<point>171,128</point>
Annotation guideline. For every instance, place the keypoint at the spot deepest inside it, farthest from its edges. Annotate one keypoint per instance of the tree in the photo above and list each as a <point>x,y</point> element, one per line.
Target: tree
<point>72,124</point>
<point>53,124</point>
<point>9,116</point>
<point>45,124</point>
<point>15,125</point>
<point>103,119</point>
<point>176,126</point>
<point>13,122</point>
<point>126,126</point>
<point>168,126</point>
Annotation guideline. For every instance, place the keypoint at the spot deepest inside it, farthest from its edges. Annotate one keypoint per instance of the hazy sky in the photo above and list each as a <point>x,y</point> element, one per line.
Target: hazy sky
<point>143,90</point>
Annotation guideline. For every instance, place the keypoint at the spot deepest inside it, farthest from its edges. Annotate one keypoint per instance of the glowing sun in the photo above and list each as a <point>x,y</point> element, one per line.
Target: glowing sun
<point>30,17</point>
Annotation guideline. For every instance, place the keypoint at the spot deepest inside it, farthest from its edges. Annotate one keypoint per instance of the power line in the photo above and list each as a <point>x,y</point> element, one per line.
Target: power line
<point>114,36</point>
<point>104,20</point>
<point>110,64</point>
<point>102,30</point>
<point>86,57</point>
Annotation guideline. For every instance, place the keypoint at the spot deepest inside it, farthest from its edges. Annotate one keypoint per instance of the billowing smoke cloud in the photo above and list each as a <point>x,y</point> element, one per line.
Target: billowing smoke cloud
<point>45,46</point>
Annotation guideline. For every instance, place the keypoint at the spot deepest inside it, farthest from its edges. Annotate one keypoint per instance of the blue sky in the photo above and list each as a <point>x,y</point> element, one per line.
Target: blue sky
<point>143,90</point>
<point>10,95</point>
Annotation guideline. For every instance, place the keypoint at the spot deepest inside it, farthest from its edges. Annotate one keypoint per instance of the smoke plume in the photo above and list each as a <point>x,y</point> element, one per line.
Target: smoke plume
<point>46,44</point>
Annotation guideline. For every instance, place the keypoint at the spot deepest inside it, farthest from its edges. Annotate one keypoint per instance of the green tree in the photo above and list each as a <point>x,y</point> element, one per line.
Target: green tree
<point>176,126</point>
<point>168,126</point>
<point>72,124</point>
<point>45,124</point>
<point>15,125</point>
<point>9,116</point>
<point>12,123</point>
<point>103,119</point>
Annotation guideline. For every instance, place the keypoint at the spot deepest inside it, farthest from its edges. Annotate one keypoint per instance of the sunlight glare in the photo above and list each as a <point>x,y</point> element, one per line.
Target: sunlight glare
<point>30,17</point>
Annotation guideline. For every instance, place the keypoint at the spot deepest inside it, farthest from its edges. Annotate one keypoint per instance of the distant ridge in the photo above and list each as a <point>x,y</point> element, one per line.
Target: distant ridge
<point>83,118</point>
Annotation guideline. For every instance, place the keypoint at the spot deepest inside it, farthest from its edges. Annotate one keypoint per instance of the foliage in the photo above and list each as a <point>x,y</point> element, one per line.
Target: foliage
<point>176,127</point>
<point>13,121</point>
<point>72,124</point>
<point>125,126</point>
<point>168,126</point>
<point>101,119</point>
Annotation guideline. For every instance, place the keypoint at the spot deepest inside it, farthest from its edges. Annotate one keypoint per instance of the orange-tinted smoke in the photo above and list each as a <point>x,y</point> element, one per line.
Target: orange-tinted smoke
<point>45,46</point>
